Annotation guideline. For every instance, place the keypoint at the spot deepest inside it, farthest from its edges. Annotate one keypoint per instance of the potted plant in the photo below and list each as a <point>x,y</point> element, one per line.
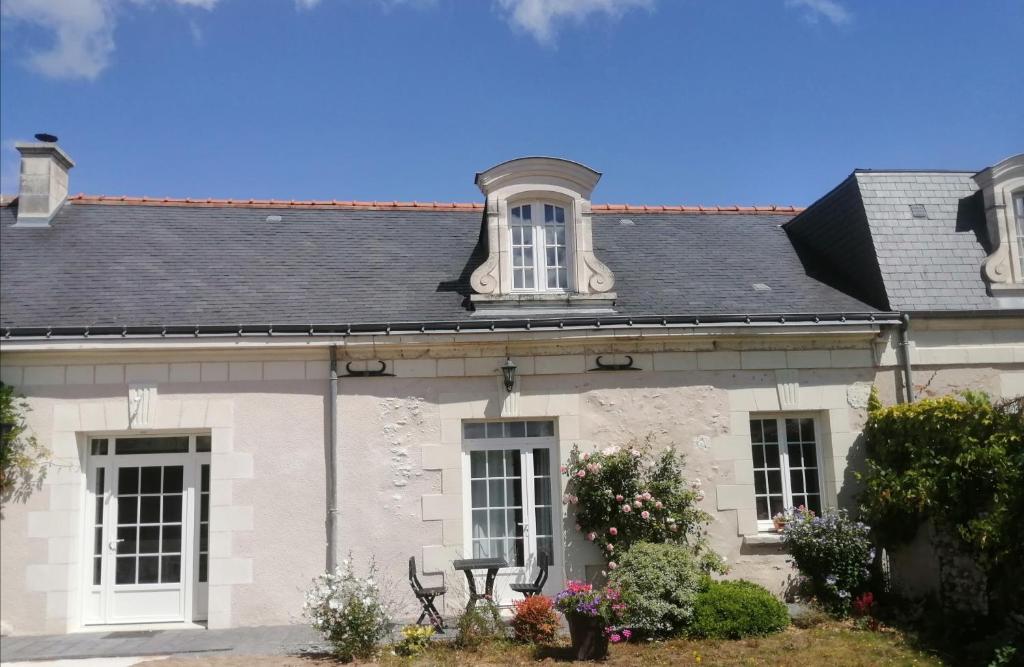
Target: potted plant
<point>592,615</point>
<point>779,522</point>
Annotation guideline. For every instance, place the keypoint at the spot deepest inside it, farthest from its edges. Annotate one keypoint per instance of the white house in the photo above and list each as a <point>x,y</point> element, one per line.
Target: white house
<point>238,393</point>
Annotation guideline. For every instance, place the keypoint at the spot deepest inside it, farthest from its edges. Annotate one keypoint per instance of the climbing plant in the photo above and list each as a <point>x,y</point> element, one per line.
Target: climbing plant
<point>22,459</point>
<point>957,462</point>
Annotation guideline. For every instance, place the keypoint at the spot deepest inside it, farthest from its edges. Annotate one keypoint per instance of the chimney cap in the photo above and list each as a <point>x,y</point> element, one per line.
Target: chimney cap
<point>48,138</point>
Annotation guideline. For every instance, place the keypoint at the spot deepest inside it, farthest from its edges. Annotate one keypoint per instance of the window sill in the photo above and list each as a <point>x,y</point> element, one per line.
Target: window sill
<point>522,304</point>
<point>762,540</point>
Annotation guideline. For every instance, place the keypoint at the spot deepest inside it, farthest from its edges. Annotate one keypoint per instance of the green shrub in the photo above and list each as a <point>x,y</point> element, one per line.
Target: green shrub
<point>659,584</point>
<point>834,553</point>
<point>348,611</point>
<point>479,624</point>
<point>737,609</point>
<point>624,495</point>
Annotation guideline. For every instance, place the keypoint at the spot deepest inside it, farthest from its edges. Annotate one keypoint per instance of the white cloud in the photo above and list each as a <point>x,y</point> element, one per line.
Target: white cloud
<point>815,9</point>
<point>541,17</point>
<point>83,32</point>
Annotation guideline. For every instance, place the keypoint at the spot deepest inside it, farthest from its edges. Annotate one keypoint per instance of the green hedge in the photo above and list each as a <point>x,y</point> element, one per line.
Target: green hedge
<point>737,609</point>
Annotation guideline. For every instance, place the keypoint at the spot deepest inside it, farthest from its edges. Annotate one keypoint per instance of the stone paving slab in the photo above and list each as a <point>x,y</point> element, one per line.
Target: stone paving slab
<point>268,640</point>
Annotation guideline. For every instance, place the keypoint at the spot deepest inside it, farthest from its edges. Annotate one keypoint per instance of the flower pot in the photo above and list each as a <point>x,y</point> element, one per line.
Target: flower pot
<point>589,642</point>
<point>779,525</point>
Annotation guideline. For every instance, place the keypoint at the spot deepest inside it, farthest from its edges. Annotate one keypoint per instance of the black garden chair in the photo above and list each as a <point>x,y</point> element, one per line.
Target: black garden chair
<point>426,596</point>
<point>537,586</point>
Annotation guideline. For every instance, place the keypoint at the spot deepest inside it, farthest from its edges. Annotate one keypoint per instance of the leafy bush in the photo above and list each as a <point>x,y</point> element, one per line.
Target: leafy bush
<point>659,584</point>
<point>348,612</point>
<point>737,609</point>
<point>479,624</point>
<point>535,620</point>
<point>22,458</point>
<point>833,552</point>
<point>415,638</point>
<point>959,463</point>
<point>622,496</point>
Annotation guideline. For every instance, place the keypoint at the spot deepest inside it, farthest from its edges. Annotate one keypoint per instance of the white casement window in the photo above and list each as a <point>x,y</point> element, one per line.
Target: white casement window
<point>786,457</point>
<point>1018,214</point>
<point>540,260</point>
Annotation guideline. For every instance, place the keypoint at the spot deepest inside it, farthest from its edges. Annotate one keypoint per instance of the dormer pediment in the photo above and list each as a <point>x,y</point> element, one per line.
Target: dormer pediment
<point>539,239</point>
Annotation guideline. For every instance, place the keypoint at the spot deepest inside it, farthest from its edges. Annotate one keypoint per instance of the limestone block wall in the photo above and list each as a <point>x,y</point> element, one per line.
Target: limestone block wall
<point>267,536</point>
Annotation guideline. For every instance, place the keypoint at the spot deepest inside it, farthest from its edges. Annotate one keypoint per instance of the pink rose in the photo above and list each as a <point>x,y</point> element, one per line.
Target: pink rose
<point>645,514</point>
<point>627,509</point>
<point>565,499</point>
<point>619,498</point>
<point>637,504</point>
<point>647,495</point>
<point>563,470</point>
<point>610,547</point>
<point>613,531</point>
<point>586,456</point>
<point>658,505</point>
<point>612,565</point>
<point>591,536</point>
<point>581,473</point>
<point>674,528</point>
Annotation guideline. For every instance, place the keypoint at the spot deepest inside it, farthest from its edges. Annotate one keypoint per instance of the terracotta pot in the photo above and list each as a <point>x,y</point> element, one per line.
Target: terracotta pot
<point>589,642</point>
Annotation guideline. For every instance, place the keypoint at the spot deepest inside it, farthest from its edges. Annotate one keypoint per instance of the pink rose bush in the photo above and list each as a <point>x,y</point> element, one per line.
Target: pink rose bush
<point>625,495</point>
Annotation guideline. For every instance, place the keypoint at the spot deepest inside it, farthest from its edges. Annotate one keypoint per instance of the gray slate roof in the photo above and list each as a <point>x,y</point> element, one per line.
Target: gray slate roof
<point>139,265</point>
<point>863,238</point>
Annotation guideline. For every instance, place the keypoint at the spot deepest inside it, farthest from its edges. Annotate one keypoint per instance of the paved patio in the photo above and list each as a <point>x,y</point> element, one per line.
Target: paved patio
<point>273,640</point>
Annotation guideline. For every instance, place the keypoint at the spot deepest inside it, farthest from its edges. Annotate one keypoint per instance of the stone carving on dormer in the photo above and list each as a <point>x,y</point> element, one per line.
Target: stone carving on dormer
<point>1003,269</point>
<point>538,211</point>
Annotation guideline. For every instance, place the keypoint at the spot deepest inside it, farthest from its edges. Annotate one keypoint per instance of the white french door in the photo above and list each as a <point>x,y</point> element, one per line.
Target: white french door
<point>147,526</point>
<point>510,481</point>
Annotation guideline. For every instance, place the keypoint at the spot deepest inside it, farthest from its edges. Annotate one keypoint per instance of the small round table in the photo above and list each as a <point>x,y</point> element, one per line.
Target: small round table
<point>492,565</point>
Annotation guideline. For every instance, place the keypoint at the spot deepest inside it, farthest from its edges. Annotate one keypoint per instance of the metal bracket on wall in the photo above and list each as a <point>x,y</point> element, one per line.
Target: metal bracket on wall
<point>628,366</point>
<point>367,373</point>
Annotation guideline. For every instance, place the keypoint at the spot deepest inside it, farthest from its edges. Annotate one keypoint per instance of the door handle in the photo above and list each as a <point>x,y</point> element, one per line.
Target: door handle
<point>113,544</point>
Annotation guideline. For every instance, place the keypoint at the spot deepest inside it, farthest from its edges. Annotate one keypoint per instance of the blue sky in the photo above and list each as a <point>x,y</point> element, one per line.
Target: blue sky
<point>676,101</point>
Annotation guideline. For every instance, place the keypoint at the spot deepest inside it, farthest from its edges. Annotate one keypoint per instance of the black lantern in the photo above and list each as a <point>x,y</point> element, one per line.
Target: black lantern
<point>508,370</point>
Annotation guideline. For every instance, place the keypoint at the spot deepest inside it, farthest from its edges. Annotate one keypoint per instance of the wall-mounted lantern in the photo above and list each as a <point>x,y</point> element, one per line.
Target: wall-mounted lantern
<point>508,371</point>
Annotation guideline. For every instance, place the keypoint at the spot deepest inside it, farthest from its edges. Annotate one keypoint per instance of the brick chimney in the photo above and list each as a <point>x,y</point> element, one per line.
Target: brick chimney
<point>44,180</point>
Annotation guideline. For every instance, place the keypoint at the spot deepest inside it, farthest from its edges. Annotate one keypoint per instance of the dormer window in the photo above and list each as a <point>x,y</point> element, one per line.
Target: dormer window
<point>540,252</point>
<point>1002,188</point>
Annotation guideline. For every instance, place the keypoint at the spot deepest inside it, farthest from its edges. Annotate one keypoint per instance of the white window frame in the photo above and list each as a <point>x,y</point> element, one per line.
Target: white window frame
<point>540,246</point>
<point>784,468</point>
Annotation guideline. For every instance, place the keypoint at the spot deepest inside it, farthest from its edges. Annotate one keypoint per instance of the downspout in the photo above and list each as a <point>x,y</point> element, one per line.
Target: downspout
<point>908,378</point>
<point>332,465</point>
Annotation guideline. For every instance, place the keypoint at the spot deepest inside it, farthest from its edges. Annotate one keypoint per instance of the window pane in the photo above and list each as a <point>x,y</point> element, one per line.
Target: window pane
<point>149,509</point>
<point>203,443</point>
<point>165,445</point>
<point>172,509</point>
<point>513,463</point>
<point>494,464</point>
<point>542,490</point>
<point>127,511</point>
<point>814,504</point>
<point>149,570</point>
<point>762,509</point>
<point>756,435</point>
<point>128,480</point>
<point>173,479</point>
<point>760,482</point>
<point>473,431</point>
<point>496,495</point>
<point>478,464</point>
<point>172,540</point>
<point>517,429</point>
<point>774,481</point>
<point>541,462</point>
<point>97,571</point>
<point>98,447</point>
<point>479,527</point>
<point>796,481</point>
<point>514,492</point>
<point>792,430</point>
<point>812,481</point>
<point>549,213</point>
<point>497,523</point>
<point>810,455</point>
<point>151,479</point>
<point>775,504</point>
<point>149,540</point>
<point>758,451</point>
<point>527,212</point>
<point>125,571</point>
<point>807,430</point>
<point>170,569</point>
<point>202,568</point>
<point>770,428</point>
<point>204,478</point>
<point>479,493</point>
<point>494,430</point>
<point>126,542</point>
<point>771,453</point>
<point>794,455</point>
